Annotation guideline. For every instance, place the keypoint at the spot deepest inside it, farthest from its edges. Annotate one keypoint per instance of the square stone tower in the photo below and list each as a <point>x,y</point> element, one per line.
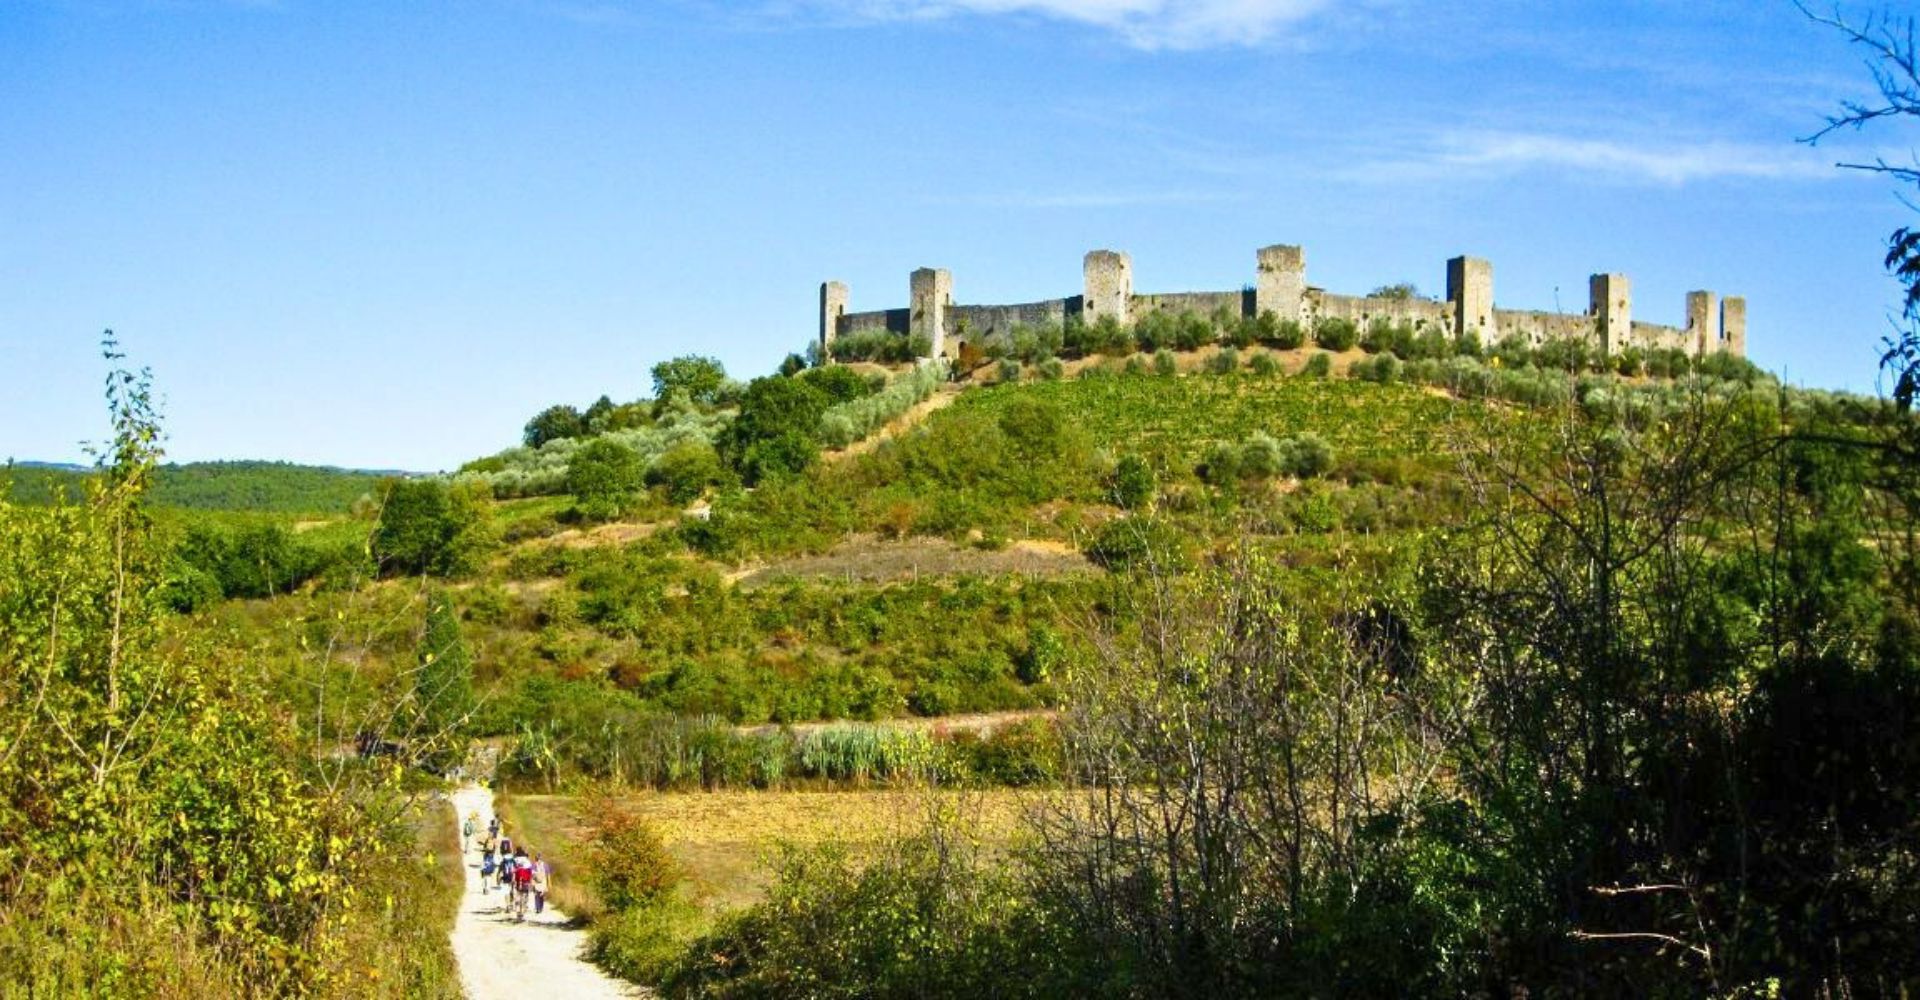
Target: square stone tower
<point>1610,303</point>
<point>1733,325</point>
<point>1470,292</point>
<point>1109,287</point>
<point>1280,282</point>
<point>930,292</point>
<point>833,305</point>
<point>1703,322</point>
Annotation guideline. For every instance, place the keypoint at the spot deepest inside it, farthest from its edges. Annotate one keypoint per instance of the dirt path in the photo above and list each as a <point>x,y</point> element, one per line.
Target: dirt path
<point>501,959</point>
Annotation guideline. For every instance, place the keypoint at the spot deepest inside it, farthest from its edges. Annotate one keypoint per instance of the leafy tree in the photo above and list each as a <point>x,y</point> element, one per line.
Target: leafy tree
<point>594,421</point>
<point>431,526</point>
<point>794,364</point>
<point>838,383</point>
<point>697,378</point>
<point>604,477</point>
<point>777,427</point>
<point>685,471</point>
<point>1335,334</point>
<point>553,424</point>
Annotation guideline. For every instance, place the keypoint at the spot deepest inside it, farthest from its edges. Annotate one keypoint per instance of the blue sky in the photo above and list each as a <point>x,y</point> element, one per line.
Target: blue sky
<point>384,234</point>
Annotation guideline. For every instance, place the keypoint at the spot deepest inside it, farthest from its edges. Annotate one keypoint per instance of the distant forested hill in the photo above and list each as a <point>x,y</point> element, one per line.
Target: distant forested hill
<point>261,486</point>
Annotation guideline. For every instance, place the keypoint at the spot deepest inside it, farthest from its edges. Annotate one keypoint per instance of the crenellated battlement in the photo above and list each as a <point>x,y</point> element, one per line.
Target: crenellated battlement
<point>1280,287</point>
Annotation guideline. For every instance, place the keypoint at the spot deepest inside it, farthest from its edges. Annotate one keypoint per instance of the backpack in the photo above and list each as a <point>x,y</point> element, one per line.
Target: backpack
<point>522,875</point>
<point>486,866</point>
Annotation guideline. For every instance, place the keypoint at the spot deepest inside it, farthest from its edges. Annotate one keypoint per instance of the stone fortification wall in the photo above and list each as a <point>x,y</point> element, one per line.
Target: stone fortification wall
<point>1653,336</point>
<point>1412,311</point>
<point>1279,287</point>
<point>973,323</point>
<point>885,320</point>
<point>1539,327</point>
<point>1204,303</point>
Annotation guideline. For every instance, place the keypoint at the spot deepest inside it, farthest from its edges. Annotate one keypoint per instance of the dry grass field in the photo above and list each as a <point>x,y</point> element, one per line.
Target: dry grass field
<point>725,839</point>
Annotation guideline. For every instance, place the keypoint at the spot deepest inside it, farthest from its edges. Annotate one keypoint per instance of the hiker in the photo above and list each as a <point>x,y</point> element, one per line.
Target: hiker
<point>493,827</point>
<point>522,884</point>
<point>466,830</point>
<point>542,882</point>
<point>486,866</point>
<point>506,858</point>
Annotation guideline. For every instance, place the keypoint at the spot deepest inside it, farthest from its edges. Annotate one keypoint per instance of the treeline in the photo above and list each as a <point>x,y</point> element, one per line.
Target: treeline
<point>279,487</point>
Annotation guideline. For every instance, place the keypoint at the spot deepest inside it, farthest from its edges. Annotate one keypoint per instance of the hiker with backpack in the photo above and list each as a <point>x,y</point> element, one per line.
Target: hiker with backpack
<point>522,884</point>
<point>486,866</point>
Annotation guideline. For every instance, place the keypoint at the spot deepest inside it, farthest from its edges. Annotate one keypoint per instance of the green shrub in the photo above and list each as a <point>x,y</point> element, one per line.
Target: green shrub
<point>1132,485</point>
<point>1288,334</point>
<point>1225,362</point>
<point>1192,331</point>
<point>1164,363</point>
<point>1009,370</point>
<point>629,863</point>
<point>1136,542</point>
<point>1264,366</point>
<point>1222,465</point>
<point>1260,456</point>
<point>685,472</point>
<point>1335,334</point>
<point>1136,365</point>
<point>605,478</point>
<point>1051,369</point>
<point>1383,367</point>
<point>1320,365</point>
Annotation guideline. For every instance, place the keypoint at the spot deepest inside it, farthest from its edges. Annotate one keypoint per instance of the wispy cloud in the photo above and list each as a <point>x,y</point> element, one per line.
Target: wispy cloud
<point>1144,24</point>
<point>1667,162</point>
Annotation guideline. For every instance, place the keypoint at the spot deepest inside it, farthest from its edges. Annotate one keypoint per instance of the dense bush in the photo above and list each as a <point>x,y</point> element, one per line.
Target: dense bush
<point>1132,484</point>
<point>1335,334</point>
<point>604,477</point>
<point>882,346</point>
<point>434,526</point>
<point>1319,365</point>
<point>527,472</point>
<point>696,379</point>
<point>553,424</point>
<point>685,471</point>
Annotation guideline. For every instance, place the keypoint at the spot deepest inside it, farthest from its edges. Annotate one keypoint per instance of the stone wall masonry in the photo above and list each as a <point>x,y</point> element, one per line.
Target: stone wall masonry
<point>887,320</point>
<point>1539,327</point>
<point>1204,303</point>
<point>1280,287</point>
<point>1655,337</point>
<point>1361,311</point>
<point>972,324</point>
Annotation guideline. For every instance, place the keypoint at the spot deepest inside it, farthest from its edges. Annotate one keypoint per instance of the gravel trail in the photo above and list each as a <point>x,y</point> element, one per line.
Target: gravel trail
<point>502,960</point>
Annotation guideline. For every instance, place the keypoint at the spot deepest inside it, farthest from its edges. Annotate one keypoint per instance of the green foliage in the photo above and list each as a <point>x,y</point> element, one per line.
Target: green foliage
<point>929,917</point>
<point>1133,482</point>
<point>1287,335</point>
<point>1264,366</point>
<point>1335,334</point>
<point>554,423</point>
<point>630,863</point>
<point>1051,369</point>
<point>859,419</point>
<point>434,527</point>
<point>278,487</point>
<point>1009,370</point>
<point>1164,363</point>
<point>1226,361</point>
<point>882,346</point>
<point>179,837</point>
<point>443,685</point>
<point>697,379</point>
<point>1318,366</point>
<point>604,477</point>
<point>684,472</point>
<point>528,472</point>
<point>775,430</point>
<point>838,383</point>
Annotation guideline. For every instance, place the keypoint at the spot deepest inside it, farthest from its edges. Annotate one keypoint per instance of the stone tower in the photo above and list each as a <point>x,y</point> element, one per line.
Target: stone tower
<point>1733,325</point>
<point>1109,287</point>
<point>833,305</point>
<point>1470,292</point>
<point>1703,323</point>
<point>1610,303</point>
<point>1280,282</point>
<point>930,292</point>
